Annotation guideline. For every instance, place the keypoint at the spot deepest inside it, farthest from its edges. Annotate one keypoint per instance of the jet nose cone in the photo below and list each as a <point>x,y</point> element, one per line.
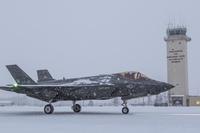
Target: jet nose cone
<point>168,86</point>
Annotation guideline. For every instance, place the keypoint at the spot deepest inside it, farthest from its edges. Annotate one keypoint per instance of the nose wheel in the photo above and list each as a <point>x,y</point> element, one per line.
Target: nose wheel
<point>48,109</point>
<point>76,107</point>
<point>125,109</point>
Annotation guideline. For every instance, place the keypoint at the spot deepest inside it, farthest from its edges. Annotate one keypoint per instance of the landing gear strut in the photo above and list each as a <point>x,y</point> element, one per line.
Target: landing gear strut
<point>48,109</point>
<point>125,109</point>
<point>76,107</point>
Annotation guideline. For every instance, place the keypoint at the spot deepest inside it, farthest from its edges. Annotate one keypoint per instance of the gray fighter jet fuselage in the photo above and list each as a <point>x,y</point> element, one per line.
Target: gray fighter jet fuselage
<point>125,85</point>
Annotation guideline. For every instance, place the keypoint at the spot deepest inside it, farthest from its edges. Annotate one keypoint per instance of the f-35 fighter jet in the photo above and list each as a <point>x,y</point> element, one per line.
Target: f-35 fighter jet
<point>126,85</point>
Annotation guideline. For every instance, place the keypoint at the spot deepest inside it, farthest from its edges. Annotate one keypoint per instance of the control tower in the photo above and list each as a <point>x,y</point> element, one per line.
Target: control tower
<point>177,65</point>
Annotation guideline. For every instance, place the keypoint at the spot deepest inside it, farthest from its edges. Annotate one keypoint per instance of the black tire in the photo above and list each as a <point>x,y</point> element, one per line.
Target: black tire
<point>76,108</point>
<point>125,110</point>
<point>48,109</point>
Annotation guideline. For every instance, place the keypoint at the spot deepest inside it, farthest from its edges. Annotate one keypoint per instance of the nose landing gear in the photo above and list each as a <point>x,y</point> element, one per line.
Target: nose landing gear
<point>125,109</point>
<point>76,108</point>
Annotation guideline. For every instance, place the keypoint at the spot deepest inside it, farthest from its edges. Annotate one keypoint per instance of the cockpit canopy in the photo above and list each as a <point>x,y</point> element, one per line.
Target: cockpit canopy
<point>132,75</point>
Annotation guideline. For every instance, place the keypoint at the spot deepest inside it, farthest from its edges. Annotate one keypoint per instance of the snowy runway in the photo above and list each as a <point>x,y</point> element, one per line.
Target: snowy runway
<point>100,119</point>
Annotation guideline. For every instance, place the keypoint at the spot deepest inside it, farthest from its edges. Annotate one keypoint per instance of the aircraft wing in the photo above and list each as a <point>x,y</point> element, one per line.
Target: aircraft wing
<point>6,88</point>
<point>58,86</point>
<point>52,88</point>
<point>18,88</point>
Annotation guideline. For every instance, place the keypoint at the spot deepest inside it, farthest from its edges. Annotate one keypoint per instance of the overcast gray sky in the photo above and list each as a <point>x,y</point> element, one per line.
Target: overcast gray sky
<point>74,38</point>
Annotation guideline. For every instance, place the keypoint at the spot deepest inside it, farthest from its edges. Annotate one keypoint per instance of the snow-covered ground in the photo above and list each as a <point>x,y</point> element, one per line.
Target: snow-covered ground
<point>100,120</point>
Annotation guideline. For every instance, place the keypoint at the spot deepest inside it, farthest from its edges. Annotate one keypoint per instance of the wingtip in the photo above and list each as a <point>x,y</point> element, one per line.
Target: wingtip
<point>11,65</point>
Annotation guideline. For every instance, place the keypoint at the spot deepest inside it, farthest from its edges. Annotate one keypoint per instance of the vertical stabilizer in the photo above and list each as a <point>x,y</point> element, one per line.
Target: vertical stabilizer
<point>44,75</point>
<point>19,75</point>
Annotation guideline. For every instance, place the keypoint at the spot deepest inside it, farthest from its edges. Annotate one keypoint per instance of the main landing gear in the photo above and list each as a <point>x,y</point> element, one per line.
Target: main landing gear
<point>48,109</point>
<point>76,107</point>
<point>125,109</point>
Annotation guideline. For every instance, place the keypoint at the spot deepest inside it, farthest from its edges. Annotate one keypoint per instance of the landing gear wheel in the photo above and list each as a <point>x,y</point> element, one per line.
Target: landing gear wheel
<point>125,110</point>
<point>76,108</point>
<point>48,109</point>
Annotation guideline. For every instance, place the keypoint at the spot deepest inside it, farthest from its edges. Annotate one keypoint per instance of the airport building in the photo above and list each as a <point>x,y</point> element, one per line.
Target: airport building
<point>194,100</point>
<point>177,65</point>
